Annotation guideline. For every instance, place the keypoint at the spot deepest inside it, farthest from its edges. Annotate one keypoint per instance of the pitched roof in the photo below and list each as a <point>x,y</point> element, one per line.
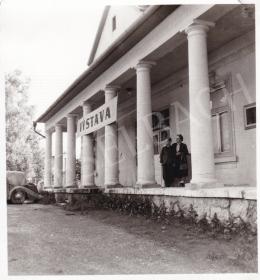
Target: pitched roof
<point>136,32</point>
<point>98,35</point>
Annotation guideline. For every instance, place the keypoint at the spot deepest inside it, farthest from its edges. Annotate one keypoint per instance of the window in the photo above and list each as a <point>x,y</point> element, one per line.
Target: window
<point>161,129</point>
<point>114,23</point>
<point>161,119</point>
<point>250,115</point>
<point>222,123</point>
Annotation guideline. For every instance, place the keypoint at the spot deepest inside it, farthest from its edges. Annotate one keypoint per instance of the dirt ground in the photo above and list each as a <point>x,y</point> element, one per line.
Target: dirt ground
<point>45,239</point>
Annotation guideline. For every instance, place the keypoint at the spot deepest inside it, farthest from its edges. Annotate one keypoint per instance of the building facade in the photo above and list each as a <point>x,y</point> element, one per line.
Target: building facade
<point>155,72</point>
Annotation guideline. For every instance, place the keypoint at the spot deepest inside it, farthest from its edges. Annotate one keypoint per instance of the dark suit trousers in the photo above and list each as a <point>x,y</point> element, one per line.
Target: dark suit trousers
<point>168,174</point>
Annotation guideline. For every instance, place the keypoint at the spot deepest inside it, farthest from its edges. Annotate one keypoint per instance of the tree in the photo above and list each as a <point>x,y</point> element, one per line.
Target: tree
<point>78,169</point>
<point>23,152</point>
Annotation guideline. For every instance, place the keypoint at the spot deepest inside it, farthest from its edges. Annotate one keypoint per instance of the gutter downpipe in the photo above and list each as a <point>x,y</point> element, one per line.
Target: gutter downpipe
<point>34,129</point>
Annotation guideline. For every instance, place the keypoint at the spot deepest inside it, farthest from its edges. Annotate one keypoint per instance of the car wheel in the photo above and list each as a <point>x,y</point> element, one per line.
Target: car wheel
<point>18,197</point>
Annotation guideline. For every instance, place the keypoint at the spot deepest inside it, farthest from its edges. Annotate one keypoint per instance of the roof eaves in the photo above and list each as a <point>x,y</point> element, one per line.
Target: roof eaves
<point>48,113</point>
<point>98,35</point>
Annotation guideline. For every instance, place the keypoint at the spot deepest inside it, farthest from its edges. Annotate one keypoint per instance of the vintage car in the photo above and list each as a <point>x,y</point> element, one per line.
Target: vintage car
<point>18,190</point>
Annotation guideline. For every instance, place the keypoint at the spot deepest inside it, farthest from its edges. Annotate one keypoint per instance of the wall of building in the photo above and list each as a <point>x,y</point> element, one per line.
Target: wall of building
<point>243,171</point>
<point>237,60</point>
<point>241,68</point>
<point>240,65</point>
<point>125,16</point>
<point>127,150</point>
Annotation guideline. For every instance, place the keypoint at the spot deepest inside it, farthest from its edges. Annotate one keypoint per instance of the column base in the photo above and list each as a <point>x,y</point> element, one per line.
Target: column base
<point>86,190</point>
<point>112,186</point>
<point>204,185</point>
<point>47,186</point>
<point>147,185</point>
<point>57,187</point>
<point>89,187</point>
<point>71,187</point>
<point>60,194</point>
<point>47,189</point>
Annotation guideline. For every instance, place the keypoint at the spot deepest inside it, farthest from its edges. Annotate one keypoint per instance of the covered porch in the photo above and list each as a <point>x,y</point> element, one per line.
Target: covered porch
<point>179,72</point>
<point>174,63</point>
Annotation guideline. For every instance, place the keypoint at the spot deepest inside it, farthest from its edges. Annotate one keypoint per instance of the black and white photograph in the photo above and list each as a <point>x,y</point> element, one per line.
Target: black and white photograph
<point>129,139</point>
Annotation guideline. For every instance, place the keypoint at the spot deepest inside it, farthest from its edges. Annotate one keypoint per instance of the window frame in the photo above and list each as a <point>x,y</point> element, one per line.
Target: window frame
<point>157,132</point>
<point>114,23</point>
<point>225,85</point>
<point>246,107</point>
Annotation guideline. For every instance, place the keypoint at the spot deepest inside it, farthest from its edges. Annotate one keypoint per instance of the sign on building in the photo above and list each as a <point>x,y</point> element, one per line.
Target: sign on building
<point>102,116</point>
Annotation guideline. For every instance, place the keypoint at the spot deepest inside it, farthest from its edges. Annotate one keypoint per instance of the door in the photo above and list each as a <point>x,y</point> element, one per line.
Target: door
<point>161,132</point>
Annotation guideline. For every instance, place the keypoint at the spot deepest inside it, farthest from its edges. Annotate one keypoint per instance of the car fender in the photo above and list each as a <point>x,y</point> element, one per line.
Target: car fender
<point>26,190</point>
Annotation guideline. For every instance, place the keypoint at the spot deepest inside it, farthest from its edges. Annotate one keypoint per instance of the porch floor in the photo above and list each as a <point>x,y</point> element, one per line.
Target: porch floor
<point>242,192</point>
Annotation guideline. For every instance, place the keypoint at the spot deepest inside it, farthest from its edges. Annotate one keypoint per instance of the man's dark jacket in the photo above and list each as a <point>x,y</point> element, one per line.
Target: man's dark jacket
<point>166,156</point>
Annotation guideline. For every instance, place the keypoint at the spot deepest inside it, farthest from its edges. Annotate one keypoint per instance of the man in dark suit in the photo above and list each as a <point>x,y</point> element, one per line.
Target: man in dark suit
<point>166,159</point>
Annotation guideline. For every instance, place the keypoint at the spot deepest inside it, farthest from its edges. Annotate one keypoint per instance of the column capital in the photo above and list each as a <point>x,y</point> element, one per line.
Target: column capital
<point>111,91</point>
<point>48,131</point>
<point>86,107</point>
<point>71,116</point>
<point>199,27</point>
<point>59,125</point>
<point>144,65</point>
<point>86,103</point>
<point>109,88</point>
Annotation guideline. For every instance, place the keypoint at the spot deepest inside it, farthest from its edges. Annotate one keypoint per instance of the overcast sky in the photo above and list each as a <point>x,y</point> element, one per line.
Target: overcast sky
<point>50,41</point>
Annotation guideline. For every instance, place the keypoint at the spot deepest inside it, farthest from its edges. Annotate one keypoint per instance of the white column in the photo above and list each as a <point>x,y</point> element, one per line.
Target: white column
<point>202,151</point>
<point>145,151</point>
<point>47,161</point>
<point>111,145</point>
<point>71,151</point>
<point>58,160</point>
<point>87,154</point>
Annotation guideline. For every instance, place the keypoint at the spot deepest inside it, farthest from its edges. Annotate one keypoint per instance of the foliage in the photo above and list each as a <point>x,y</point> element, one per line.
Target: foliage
<point>78,169</point>
<point>135,205</point>
<point>23,152</point>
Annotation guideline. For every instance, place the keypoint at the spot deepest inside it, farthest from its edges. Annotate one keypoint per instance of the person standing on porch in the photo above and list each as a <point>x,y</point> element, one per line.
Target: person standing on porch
<point>180,164</point>
<point>166,159</point>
